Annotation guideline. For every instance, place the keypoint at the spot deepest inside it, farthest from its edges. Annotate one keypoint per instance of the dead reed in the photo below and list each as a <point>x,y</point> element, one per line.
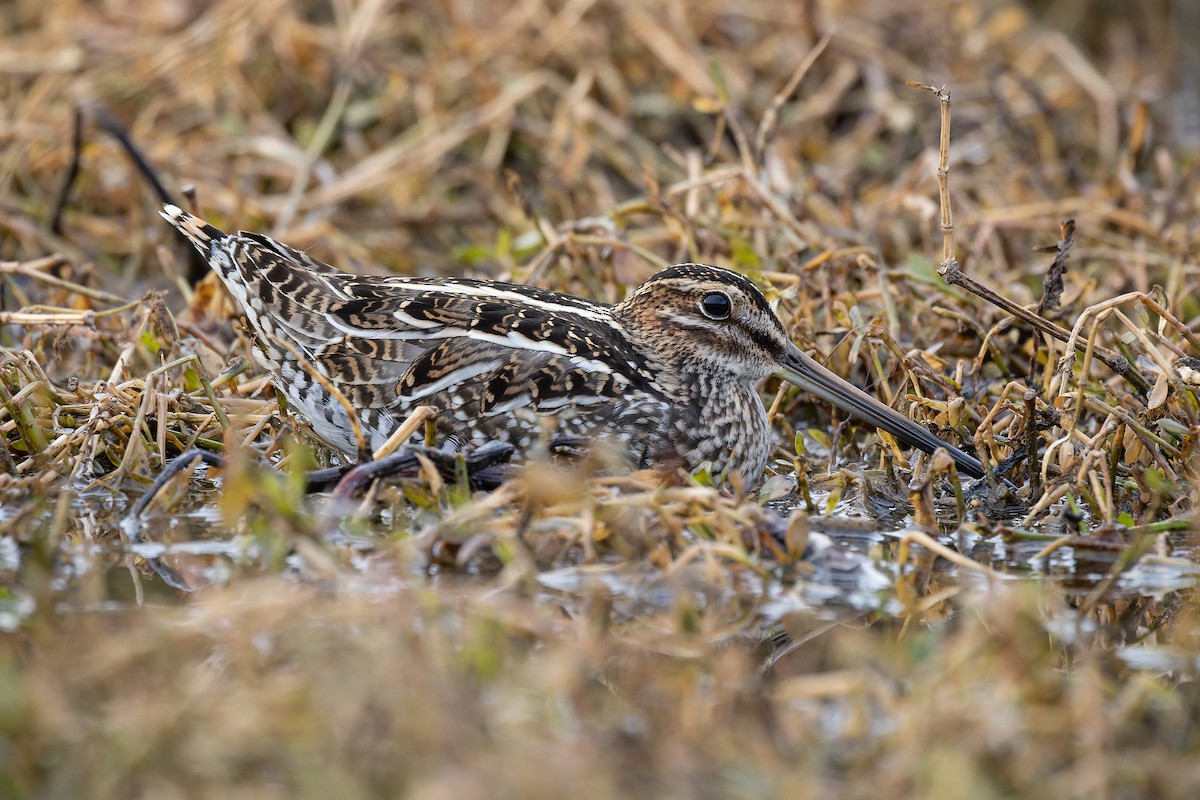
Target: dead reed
<point>611,636</point>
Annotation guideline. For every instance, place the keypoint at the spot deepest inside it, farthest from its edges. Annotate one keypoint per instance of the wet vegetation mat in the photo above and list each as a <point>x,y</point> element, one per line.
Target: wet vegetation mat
<point>982,213</point>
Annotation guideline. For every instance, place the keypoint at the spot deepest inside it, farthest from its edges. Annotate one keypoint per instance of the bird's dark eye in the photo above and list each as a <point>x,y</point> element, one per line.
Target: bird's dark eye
<point>716,305</point>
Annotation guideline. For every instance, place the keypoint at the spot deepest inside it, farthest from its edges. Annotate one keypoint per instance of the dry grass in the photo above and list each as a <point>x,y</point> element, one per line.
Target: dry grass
<point>564,636</point>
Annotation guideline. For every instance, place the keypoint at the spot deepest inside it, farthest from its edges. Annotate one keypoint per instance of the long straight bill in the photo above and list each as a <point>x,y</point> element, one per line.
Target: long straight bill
<point>812,377</point>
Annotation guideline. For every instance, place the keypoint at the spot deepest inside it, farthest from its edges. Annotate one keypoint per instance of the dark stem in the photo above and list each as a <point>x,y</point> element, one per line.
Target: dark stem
<point>1115,361</point>
<point>100,115</point>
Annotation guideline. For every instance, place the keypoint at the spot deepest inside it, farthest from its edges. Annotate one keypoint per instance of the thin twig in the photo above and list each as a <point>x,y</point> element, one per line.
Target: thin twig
<point>34,271</point>
<point>1113,360</point>
<point>943,172</point>
<point>770,118</point>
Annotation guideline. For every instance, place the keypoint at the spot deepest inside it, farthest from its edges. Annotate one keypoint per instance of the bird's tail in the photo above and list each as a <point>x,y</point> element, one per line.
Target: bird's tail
<point>198,232</point>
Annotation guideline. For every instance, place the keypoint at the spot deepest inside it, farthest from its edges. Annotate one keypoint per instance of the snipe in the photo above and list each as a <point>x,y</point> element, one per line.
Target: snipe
<point>667,376</point>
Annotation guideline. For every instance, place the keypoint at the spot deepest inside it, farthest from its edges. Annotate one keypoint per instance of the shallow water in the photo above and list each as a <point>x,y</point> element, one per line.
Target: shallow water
<point>851,569</point>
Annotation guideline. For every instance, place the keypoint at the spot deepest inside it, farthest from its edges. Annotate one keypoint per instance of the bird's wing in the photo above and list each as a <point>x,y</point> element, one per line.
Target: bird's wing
<point>485,379</point>
<point>385,341</point>
<point>492,347</point>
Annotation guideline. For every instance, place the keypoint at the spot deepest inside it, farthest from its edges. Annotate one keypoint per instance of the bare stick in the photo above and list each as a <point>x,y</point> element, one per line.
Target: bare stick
<point>35,270</point>
<point>72,173</point>
<point>419,416</point>
<point>1112,359</point>
<point>943,172</point>
<point>951,273</point>
<point>766,127</point>
<point>102,118</point>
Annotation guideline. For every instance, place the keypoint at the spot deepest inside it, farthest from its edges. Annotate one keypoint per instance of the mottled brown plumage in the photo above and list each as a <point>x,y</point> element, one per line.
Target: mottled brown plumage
<point>667,377</point>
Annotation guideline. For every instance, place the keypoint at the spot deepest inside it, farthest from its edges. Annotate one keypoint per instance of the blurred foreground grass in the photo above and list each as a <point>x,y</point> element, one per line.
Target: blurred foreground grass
<point>269,690</point>
<point>613,637</point>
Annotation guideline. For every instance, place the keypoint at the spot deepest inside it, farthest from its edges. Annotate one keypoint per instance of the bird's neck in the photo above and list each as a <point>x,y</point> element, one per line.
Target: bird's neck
<point>662,350</point>
<point>686,378</point>
<point>719,419</point>
<point>715,413</point>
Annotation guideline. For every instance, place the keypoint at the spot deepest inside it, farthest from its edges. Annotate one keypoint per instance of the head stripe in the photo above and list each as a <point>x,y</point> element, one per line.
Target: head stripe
<point>705,272</point>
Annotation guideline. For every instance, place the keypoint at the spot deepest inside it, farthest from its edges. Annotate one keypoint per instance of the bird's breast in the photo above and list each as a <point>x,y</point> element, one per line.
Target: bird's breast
<point>726,428</point>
